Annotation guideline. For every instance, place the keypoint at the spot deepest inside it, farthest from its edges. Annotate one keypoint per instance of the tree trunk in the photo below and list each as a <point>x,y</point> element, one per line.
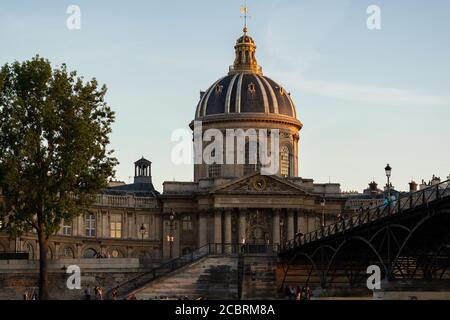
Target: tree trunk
<point>43,266</point>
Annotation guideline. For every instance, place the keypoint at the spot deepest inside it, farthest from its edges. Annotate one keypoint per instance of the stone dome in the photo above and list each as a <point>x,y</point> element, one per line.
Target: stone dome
<point>245,93</point>
<point>245,90</point>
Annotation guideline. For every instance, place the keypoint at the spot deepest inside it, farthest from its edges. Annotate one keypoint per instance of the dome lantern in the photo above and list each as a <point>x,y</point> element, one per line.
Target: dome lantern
<point>245,61</point>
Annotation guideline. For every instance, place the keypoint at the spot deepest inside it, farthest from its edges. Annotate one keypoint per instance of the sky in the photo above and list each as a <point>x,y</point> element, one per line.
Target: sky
<point>366,97</point>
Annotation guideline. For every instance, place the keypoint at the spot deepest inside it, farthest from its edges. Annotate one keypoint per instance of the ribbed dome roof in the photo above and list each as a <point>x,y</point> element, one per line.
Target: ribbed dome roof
<point>245,93</point>
<point>245,89</point>
<point>245,39</point>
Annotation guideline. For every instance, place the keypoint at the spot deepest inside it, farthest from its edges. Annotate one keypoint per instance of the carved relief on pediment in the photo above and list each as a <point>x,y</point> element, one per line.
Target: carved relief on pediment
<point>261,184</point>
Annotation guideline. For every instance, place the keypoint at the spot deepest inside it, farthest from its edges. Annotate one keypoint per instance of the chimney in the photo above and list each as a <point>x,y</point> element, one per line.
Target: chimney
<point>373,187</point>
<point>435,180</point>
<point>413,186</point>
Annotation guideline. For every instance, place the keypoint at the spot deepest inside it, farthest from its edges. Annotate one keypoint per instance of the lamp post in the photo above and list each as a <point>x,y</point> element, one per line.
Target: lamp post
<point>388,171</point>
<point>142,231</point>
<point>170,240</point>
<point>322,204</point>
<point>281,232</point>
<point>172,227</point>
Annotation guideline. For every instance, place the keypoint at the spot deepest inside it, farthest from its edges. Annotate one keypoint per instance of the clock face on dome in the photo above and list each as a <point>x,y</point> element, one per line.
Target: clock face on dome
<point>259,184</point>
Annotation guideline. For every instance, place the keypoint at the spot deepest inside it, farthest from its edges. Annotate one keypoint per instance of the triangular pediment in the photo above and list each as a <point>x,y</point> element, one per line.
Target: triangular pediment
<point>256,183</point>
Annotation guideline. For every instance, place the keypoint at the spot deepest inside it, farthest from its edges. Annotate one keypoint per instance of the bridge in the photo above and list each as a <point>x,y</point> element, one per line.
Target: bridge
<point>408,238</point>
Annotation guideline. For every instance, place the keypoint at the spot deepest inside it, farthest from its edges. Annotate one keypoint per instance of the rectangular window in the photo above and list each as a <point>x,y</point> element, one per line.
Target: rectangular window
<point>67,228</point>
<point>90,225</point>
<point>214,170</point>
<point>187,223</point>
<point>116,226</point>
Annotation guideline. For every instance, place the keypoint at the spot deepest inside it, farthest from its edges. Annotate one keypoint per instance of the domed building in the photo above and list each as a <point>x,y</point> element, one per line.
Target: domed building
<point>234,203</point>
<point>246,99</point>
<point>226,204</point>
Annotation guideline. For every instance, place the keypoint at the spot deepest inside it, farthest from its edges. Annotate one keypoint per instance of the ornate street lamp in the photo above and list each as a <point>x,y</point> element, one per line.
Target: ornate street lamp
<point>388,171</point>
<point>172,227</point>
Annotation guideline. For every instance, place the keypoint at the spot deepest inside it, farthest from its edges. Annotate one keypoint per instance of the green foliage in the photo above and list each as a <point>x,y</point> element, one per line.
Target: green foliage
<point>54,130</point>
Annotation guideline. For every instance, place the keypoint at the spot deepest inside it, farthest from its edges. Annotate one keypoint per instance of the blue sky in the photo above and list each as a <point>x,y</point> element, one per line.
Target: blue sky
<point>365,97</point>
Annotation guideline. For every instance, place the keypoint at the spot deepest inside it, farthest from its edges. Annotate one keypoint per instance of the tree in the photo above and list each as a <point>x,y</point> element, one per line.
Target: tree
<point>54,155</point>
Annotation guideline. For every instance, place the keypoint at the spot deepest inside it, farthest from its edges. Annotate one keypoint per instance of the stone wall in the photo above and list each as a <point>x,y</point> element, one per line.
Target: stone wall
<point>259,281</point>
<point>18,276</point>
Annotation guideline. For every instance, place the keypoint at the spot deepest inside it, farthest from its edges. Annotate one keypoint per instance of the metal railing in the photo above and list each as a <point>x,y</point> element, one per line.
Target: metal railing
<point>392,207</point>
<point>126,288</point>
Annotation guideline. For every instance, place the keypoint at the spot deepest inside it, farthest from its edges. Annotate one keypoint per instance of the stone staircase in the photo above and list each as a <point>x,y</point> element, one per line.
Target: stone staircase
<point>213,277</point>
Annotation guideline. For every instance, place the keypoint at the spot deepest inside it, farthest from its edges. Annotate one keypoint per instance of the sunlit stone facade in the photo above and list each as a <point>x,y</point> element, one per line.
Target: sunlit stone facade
<point>226,203</point>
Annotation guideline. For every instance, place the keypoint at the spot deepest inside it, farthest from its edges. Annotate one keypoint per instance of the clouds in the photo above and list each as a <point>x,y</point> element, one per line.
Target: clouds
<point>367,93</point>
<point>332,54</point>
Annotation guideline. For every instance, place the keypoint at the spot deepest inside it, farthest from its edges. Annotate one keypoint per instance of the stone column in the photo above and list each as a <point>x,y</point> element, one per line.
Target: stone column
<point>202,230</point>
<point>166,232</point>
<point>276,226</point>
<point>218,230</point>
<point>302,222</point>
<point>228,239</point>
<point>242,226</point>
<point>290,225</point>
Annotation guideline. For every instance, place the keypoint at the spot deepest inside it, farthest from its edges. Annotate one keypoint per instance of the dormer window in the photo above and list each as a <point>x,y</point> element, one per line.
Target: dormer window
<point>252,88</point>
<point>219,89</point>
<point>280,89</point>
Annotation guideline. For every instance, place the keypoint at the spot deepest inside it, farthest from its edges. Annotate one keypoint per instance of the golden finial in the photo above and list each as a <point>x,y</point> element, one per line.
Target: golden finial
<point>244,12</point>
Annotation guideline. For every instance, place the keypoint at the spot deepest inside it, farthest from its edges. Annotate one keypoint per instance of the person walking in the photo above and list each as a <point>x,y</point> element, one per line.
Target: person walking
<point>133,297</point>
<point>298,293</point>
<point>100,293</point>
<point>87,293</point>
<point>292,293</point>
<point>303,294</point>
<point>114,293</point>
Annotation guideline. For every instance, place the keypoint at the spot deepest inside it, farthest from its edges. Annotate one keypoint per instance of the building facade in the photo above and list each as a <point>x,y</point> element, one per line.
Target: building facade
<point>231,203</point>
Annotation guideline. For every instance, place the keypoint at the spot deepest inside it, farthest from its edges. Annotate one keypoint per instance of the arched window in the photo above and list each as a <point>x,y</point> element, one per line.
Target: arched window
<point>285,161</point>
<point>29,249</point>
<point>90,253</point>
<point>68,253</point>
<point>115,253</point>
